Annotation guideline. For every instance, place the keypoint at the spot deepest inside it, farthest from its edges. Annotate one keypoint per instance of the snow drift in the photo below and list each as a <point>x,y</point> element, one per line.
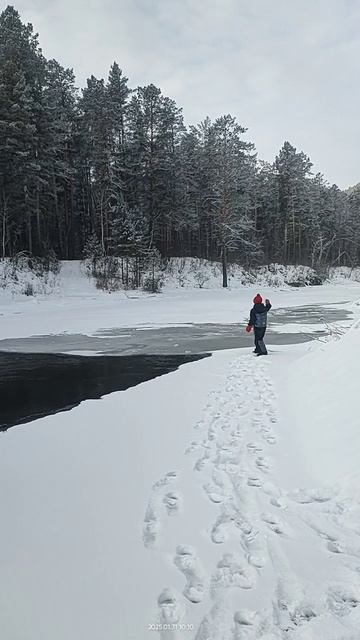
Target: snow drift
<point>323,391</point>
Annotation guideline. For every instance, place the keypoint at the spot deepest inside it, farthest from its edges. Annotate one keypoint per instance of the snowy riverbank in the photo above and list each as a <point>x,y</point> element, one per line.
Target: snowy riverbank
<point>17,278</point>
<point>78,307</point>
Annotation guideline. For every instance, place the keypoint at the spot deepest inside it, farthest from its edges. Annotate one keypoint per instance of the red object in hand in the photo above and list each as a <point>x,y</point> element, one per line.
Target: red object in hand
<point>248,328</point>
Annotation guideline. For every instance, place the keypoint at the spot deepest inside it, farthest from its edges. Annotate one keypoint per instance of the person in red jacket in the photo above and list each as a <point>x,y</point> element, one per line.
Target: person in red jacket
<point>258,322</point>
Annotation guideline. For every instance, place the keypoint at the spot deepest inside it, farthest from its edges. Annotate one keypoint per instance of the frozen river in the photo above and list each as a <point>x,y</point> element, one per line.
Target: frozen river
<point>286,326</point>
<point>76,367</point>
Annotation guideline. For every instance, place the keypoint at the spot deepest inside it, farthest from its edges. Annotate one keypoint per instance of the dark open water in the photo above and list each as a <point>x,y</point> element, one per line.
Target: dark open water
<point>33,385</point>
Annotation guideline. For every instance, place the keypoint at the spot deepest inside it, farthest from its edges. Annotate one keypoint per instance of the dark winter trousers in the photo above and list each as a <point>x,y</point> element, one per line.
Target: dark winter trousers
<point>260,347</point>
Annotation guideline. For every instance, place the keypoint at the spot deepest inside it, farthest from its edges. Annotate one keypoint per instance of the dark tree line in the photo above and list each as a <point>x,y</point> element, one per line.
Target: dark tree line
<point>117,167</point>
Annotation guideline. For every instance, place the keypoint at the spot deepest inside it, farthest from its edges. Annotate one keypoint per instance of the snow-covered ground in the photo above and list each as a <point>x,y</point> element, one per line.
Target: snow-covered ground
<point>219,502</point>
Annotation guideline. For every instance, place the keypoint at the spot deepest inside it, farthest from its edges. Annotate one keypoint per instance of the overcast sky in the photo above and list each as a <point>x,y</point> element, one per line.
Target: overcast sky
<point>287,69</point>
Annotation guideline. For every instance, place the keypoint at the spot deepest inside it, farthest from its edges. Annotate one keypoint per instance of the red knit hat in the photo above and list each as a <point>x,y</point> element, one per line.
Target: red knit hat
<point>258,299</point>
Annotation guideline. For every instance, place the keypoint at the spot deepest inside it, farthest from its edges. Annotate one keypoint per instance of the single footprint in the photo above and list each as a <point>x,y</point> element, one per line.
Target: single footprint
<point>167,479</point>
<point>244,525</point>
<point>244,625</point>
<point>278,502</point>
<point>219,490</point>
<point>172,502</point>
<point>254,447</point>
<point>202,462</point>
<point>268,435</point>
<point>220,530</point>
<point>170,614</point>
<point>233,571</point>
<point>189,564</point>
<point>194,446</point>
<point>303,613</point>
<point>256,549</point>
<point>335,546</point>
<point>274,523</point>
<point>342,600</point>
<point>152,527</point>
<point>153,515</point>
<point>263,463</point>
<point>253,481</point>
<point>214,494</point>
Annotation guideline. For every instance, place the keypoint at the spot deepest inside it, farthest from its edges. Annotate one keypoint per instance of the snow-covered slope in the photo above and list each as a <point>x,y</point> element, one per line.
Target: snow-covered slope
<point>324,388</point>
<point>285,552</point>
<point>195,273</point>
<point>178,273</point>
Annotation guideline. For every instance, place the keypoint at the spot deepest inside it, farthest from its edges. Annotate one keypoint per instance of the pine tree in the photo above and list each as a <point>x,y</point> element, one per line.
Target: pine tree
<point>22,68</point>
<point>56,224</point>
<point>187,221</point>
<point>293,170</point>
<point>155,125</point>
<point>231,170</point>
<point>117,94</point>
<point>353,227</point>
<point>95,149</point>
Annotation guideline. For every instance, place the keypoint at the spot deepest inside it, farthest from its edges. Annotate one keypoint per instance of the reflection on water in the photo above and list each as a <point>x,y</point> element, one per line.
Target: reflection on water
<point>33,385</point>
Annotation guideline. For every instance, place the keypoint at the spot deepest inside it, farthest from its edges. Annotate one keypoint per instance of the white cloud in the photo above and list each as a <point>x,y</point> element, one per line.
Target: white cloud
<point>287,70</point>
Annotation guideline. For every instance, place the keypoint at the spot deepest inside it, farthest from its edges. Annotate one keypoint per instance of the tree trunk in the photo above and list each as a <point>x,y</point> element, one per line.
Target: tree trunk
<point>285,243</point>
<point>102,229</point>
<point>57,217</point>
<point>29,234</point>
<point>224,266</point>
<point>38,221</point>
<point>293,233</point>
<point>3,234</point>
